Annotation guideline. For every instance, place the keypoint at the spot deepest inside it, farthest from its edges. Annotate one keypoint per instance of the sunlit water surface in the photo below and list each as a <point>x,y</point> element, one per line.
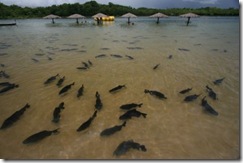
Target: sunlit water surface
<point>173,129</point>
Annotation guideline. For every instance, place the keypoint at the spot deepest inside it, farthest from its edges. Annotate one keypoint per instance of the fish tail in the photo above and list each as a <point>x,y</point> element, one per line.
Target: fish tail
<point>73,83</point>
<point>144,115</point>
<point>56,131</point>
<point>27,105</point>
<point>61,105</point>
<point>146,91</point>
<point>2,127</point>
<point>55,120</point>
<point>143,148</point>
<point>94,115</point>
<point>139,105</point>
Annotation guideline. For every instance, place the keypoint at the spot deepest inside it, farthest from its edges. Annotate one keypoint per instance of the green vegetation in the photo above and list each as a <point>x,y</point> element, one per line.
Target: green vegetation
<point>92,7</point>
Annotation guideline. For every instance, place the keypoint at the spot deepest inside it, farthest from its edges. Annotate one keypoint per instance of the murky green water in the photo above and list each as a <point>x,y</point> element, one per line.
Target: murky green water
<point>173,129</point>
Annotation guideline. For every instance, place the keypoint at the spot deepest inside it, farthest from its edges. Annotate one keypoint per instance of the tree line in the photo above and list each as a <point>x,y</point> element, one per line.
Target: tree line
<point>92,7</point>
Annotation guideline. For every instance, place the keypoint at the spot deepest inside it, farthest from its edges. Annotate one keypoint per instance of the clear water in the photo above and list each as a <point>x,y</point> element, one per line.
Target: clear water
<point>172,129</point>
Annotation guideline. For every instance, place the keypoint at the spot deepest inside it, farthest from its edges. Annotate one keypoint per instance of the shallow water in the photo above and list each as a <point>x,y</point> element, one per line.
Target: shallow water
<point>173,129</point>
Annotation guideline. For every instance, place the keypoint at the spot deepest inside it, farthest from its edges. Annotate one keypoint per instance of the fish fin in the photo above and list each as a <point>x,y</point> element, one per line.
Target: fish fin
<point>139,105</point>
<point>204,98</point>
<point>124,124</point>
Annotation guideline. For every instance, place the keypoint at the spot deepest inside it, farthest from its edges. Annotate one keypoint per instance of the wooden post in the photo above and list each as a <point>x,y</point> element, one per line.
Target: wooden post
<point>188,21</point>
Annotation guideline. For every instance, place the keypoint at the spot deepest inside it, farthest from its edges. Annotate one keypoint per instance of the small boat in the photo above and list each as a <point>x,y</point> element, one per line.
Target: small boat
<point>9,24</point>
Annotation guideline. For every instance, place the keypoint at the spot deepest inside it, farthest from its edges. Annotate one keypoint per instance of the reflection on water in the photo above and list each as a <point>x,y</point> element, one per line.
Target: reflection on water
<point>188,57</point>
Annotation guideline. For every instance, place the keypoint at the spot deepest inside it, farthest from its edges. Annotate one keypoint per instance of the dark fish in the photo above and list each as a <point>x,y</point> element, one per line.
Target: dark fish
<point>218,81</point>
<point>207,107</point>
<point>82,51</point>
<point>51,79</point>
<point>112,130</point>
<point>56,113</point>
<point>90,63</point>
<point>134,48</point>
<point>104,48</point>
<point>182,49</point>
<point>170,57</point>
<point>39,136</point>
<point>14,117</point>
<point>101,55</point>
<point>82,68</point>
<point>98,103</point>
<point>5,84</point>
<point>126,145</point>
<point>116,55</point>
<point>215,49</point>
<point>131,48</point>
<point>211,93</point>
<point>87,123</point>
<point>49,58</point>
<point>80,91</point>
<point>60,81</point>
<point>117,88</point>
<point>66,88</point>
<point>191,97</point>
<point>155,93</point>
<point>2,54</point>
<point>35,60</point>
<point>85,64</point>
<point>129,57</point>
<point>9,87</point>
<point>69,49</point>
<point>2,65</point>
<point>132,113</point>
<point>39,54</point>
<point>130,106</point>
<point>156,66</point>
<point>185,90</point>
<point>4,74</point>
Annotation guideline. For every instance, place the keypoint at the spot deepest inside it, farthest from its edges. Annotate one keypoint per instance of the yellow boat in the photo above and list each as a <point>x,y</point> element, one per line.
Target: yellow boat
<point>107,18</point>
